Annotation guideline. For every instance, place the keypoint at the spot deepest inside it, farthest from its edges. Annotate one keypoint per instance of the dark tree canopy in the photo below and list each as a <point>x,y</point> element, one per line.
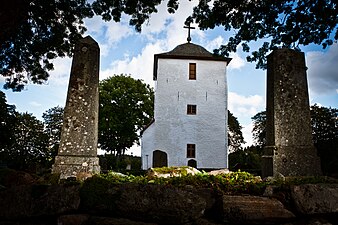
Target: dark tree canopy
<point>34,32</point>
<point>139,11</point>
<point>30,147</point>
<point>235,135</point>
<point>324,122</point>
<point>53,120</point>
<point>126,105</point>
<point>259,128</point>
<point>45,30</point>
<point>7,123</point>
<point>248,159</point>
<point>283,23</point>
<point>26,143</point>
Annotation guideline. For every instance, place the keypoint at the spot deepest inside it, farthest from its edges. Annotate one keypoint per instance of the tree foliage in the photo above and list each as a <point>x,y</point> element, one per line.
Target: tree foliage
<point>7,121</point>
<point>259,128</point>
<point>235,136</point>
<point>30,147</point>
<point>126,105</point>
<point>324,123</point>
<point>139,11</point>
<point>47,29</point>
<point>53,120</point>
<point>34,32</point>
<point>25,141</point>
<point>283,23</point>
<point>249,160</point>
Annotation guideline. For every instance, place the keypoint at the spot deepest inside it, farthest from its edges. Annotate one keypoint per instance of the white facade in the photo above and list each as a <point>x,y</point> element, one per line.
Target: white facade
<point>173,129</point>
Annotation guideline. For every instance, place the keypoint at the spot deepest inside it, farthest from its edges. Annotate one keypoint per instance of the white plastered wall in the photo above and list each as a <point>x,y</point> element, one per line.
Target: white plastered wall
<point>173,129</point>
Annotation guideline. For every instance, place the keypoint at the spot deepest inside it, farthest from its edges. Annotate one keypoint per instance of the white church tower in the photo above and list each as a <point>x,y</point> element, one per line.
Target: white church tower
<point>190,118</point>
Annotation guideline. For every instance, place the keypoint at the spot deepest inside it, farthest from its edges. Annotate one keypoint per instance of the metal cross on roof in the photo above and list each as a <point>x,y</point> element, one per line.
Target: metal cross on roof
<point>189,28</point>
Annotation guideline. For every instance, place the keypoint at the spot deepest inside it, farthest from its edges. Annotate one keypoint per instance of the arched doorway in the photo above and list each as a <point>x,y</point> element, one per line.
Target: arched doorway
<point>192,163</point>
<point>160,158</point>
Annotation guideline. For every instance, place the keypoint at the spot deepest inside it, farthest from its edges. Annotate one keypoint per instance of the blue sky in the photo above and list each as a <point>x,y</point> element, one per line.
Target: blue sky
<point>125,51</point>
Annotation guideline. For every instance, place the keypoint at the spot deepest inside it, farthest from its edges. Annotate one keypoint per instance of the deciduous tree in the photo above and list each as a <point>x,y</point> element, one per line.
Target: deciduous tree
<point>235,136</point>
<point>7,122</point>
<point>36,31</point>
<point>324,123</point>
<point>281,23</point>
<point>42,31</point>
<point>30,147</point>
<point>126,105</point>
<point>259,128</point>
<point>53,120</point>
<point>249,159</point>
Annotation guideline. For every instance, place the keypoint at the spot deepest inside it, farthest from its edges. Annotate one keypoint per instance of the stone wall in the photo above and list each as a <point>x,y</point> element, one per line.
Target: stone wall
<point>150,204</point>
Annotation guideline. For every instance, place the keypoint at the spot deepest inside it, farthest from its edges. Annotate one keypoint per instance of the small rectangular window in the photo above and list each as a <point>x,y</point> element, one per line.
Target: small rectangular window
<point>191,150</point>
<point>192,71</point>
<point>191,109</point>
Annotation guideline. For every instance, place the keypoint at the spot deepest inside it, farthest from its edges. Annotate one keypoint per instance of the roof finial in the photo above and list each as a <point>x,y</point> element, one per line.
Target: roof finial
<point>189,28</point>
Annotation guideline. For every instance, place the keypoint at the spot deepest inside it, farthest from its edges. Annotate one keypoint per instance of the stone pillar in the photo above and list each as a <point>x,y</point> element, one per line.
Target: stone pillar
<point>78,145</point>
<point>290,150</point>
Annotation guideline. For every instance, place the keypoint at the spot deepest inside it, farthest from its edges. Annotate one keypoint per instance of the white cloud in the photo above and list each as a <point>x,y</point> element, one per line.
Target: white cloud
<point>116,32</point>
<point>157,22</point>
<point>108,34</point>
<point>246,106</point>
<point>247,133</point>
<point>175,33</point>
<point>237,62</point>
<point>323,71</point>
<point>60,75</point>
<point>104,50</point>
<point>35,104</point>
<point>168,27</point>
<point>139,67</point>
<point>95,25</point>
<point>215,43</point>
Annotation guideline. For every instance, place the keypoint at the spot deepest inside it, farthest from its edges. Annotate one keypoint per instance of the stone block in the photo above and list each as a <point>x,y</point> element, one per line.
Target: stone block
<point>115,221</point>
<point>253,209</point>
<point>72,166</point>
<point>38,200</point>
<point>315,198</point>
<point>73,219</point>
<point>162,204</point>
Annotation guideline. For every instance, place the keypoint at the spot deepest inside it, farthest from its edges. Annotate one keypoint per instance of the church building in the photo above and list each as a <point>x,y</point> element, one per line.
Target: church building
<point>190,119</point>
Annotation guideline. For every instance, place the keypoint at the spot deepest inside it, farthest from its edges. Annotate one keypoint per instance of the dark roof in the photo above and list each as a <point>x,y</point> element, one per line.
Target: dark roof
<point>188,51</point>
<point>148,125</point>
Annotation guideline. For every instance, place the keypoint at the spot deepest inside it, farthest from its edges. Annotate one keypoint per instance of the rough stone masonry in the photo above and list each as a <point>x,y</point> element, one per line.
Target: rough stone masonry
<point>290,150</point>
<point>78,146</point>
